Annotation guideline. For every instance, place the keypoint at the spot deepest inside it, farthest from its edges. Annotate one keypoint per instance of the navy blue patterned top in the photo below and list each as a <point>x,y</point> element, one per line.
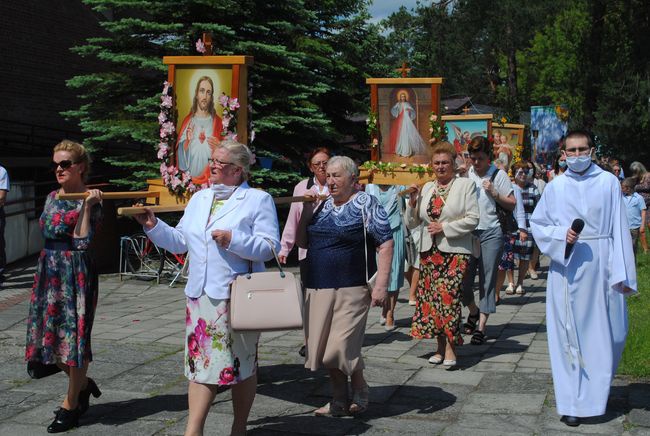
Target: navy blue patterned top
<point>335,257</point>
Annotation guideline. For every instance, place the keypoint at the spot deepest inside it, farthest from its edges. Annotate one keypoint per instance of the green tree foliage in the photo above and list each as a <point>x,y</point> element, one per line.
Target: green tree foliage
<point>306,81</point>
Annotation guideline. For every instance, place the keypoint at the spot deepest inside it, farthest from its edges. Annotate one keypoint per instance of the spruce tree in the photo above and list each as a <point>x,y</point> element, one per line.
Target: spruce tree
<point>303,86</point>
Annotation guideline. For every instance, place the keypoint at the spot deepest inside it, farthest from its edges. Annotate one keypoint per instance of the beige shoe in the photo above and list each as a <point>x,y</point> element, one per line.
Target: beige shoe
<point>510,289</point>
<point>333,408</point>
<point>520,290</point>
<point>533,274</point>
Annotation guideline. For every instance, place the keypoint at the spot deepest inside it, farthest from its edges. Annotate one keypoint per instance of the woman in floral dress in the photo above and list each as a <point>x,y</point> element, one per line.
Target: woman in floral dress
<point>449,208</point>
<point>64,294</point>
<point>223,229</point>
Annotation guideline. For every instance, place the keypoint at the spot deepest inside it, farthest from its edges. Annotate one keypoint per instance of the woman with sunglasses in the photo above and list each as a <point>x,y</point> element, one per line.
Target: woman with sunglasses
<point>64,294</point>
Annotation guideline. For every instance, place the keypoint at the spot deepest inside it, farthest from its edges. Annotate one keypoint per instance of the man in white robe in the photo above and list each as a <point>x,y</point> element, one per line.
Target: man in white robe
<point>586,314</point>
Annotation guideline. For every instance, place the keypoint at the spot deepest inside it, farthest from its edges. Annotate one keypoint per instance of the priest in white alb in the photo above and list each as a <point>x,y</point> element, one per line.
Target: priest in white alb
<point>586,313</point>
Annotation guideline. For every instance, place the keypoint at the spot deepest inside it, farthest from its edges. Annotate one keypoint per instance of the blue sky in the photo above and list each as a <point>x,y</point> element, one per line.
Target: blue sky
<point>383,8</point>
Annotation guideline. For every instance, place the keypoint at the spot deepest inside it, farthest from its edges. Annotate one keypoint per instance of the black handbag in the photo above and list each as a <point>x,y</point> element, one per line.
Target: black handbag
<point>38,370</point>
<point>505,217</point>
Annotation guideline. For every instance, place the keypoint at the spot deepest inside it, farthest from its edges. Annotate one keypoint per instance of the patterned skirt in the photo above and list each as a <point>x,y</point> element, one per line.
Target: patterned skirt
<point>438,308</point>
<point>507,262</point>
<point>214,354</point>
<point>524,250</point>
<point>62,309</point>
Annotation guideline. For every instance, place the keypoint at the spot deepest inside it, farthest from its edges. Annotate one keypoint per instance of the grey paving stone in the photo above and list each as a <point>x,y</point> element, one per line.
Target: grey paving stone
<point>640,417</point>
<point>428,376</point>
<point>497,424</point>
<point>515,383</point>
<point>510,403</point>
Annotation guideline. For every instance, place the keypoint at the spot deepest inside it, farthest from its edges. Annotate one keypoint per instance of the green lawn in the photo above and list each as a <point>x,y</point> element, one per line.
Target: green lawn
<point>636,357</point>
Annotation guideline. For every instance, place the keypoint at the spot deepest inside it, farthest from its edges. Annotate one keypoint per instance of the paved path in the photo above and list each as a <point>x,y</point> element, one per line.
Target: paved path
<point>503,387</point>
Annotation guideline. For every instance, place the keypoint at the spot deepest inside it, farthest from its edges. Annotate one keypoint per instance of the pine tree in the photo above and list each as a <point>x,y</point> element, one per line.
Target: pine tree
<point>300,81</point>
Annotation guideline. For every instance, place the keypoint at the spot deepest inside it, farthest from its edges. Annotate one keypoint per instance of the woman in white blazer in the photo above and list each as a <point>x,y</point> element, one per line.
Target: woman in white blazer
<point>223,229</point>
<point>448,206</point>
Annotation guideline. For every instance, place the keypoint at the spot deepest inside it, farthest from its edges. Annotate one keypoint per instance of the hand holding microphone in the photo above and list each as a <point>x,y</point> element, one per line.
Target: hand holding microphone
<point>572,235</point>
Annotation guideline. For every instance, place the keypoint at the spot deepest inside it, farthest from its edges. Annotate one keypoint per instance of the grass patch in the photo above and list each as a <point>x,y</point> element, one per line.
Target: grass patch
<point>636,357</point>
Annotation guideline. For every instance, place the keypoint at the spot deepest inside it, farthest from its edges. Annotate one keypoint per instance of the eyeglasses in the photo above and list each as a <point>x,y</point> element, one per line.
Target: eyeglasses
<point>577,151</point>
<point>221,163</point>
<point>322,163</point>
<point>64,164</point>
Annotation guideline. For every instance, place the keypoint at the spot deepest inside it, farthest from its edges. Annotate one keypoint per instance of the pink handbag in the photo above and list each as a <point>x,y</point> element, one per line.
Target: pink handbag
<point>266,301</point>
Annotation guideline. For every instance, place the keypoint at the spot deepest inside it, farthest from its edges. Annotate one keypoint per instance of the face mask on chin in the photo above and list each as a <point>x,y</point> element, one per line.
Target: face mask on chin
<point>562,164</point>
<point>221,191</point>
<point>578,164</point>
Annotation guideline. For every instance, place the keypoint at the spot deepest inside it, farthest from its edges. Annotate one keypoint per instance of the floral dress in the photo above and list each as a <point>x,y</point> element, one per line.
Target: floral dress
<point>438,309</point>
<point>64,295</point>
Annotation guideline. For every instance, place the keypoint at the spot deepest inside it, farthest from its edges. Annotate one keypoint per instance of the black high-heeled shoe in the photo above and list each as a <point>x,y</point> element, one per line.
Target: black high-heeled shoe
<point>84,396</point>
<point>64,420</point>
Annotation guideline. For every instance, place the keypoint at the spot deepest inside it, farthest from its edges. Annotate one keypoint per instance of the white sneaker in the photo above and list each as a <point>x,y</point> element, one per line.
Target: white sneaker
<point>520,290</point>
<point>382,320</point>
<point>510,289</point>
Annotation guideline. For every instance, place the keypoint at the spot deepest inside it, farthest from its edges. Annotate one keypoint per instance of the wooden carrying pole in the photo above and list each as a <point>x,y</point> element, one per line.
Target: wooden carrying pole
<point>137,210</point>
<point>111,195</point>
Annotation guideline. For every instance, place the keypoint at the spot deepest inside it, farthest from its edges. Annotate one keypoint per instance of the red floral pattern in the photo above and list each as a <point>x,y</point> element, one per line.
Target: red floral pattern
<point>438,309</point>
<point>64,294</point>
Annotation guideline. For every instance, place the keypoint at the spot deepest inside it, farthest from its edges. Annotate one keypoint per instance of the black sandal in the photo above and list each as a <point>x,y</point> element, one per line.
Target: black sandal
<point>470,326</point>
<point>478,338</point>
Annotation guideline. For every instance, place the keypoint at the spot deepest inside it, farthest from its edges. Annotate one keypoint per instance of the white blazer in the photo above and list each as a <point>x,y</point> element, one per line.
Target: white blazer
<point>249,214</point>
<point>459,218</point>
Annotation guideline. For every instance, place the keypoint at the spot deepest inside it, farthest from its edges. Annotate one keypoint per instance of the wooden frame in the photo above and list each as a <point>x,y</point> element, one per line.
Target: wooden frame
<point>423,94</point>
<point>228,74</point>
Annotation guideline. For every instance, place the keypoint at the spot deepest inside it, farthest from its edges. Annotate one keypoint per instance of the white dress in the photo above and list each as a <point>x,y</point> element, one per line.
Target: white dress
<point>586,313</point>
<point>408,140</point>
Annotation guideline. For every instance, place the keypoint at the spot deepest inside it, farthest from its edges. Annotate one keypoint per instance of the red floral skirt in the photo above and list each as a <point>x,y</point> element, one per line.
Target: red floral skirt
<point>438,307</point>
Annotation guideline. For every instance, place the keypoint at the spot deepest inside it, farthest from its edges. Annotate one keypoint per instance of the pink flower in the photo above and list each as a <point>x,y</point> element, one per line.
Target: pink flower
<point>223,100</point>
<point>200,47</point>
<point>52,310</point>
<point>162,117</point>
<point>56,219</point>
<point>30,351</point>
<point>193,349</point>
<point>162,152</point>
<point>200,332</point>
<point>70,217</point>
<point>163,169</point>
<point>188,318</point>
<point>166,101</point>
<point>165,87</point>
<point>49,338</point>
<point>225,121</point>
<point>233,104</point>
<point>227,376</point>
<point>81,279</point>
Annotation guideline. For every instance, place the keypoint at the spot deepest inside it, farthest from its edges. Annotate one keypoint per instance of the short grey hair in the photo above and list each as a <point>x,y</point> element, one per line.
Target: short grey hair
<point>638,169</point>
<point>240,155</point>
<point>346,165</point>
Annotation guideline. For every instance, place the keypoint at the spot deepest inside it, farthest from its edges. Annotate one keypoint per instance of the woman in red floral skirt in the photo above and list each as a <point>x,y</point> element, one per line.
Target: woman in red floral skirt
<point>449,209</point>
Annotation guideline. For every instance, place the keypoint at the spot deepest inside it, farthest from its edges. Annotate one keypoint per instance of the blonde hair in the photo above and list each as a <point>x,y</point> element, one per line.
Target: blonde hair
<point>240,154</point>
<point>444,147</point>
<point>79,155</point>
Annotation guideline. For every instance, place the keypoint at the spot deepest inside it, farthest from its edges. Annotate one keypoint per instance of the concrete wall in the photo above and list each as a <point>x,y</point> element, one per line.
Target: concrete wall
<point>22,233</point>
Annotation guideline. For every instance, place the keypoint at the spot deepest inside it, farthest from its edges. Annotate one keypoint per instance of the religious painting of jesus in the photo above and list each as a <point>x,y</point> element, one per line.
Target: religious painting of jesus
<point>199,125</point>
<point>403,118</point>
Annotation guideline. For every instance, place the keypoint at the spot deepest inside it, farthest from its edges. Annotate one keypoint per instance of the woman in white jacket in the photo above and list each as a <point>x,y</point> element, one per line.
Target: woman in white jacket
<point>223,229</point>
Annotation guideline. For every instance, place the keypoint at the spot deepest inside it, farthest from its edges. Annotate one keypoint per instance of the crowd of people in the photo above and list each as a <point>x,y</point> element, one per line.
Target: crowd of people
<point>473,223</point>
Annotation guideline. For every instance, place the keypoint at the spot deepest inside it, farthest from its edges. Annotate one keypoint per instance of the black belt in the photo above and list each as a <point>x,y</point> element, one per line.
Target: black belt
<point>59,244</point>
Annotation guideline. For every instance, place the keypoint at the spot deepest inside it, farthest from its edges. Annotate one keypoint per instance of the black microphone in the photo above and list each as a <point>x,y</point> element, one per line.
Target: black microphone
<point>577,225</point>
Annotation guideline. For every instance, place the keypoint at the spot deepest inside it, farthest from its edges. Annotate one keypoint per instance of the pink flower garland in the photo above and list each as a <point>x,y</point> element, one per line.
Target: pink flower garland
<point>178,182</point>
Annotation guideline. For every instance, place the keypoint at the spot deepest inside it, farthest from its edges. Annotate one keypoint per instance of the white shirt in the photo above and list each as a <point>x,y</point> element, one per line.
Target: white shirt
<point>4,179</point>
<point>487,208</point>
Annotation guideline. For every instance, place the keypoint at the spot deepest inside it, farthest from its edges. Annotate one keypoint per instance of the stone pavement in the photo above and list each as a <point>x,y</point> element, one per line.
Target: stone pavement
<point>503,387</point>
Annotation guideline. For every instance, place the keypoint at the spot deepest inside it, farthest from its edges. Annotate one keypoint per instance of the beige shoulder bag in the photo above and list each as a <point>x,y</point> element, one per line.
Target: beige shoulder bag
<point>266,301</point>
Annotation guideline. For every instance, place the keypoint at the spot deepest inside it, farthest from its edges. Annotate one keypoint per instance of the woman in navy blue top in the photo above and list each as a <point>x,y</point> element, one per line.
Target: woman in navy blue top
<point>338,300</point>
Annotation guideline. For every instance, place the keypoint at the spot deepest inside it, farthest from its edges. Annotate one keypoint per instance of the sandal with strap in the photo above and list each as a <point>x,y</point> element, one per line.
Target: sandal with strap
<point>359,401</point>
<point>478,338</point>
<point>470,326</point>
<point>333,408</point>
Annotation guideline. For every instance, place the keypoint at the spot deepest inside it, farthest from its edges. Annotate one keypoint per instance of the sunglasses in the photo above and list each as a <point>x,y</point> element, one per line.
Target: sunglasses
<point>64,164</point>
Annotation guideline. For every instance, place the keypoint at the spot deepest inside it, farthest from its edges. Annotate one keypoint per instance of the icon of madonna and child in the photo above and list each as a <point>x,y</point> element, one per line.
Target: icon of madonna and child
<point>404,139</point>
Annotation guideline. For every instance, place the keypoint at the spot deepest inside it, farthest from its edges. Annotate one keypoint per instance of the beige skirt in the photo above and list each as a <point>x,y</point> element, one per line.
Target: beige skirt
<point>335,325</point>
